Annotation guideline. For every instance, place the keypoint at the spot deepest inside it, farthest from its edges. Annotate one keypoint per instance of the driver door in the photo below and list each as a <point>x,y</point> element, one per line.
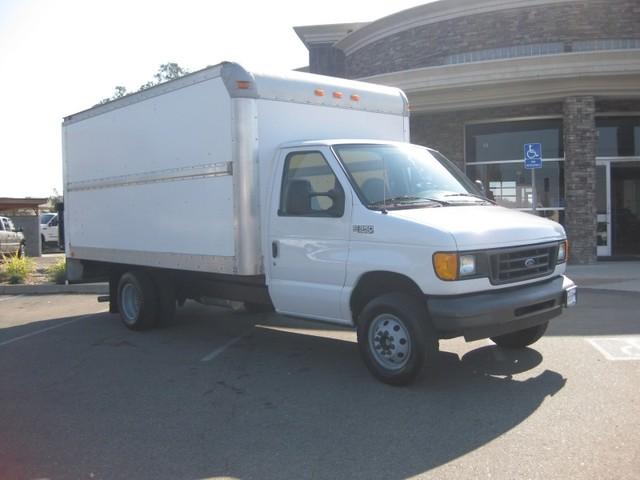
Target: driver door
<point>309,230</point>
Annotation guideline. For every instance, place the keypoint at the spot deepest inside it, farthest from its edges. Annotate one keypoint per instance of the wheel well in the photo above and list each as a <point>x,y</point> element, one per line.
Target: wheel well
<point>374,284</point>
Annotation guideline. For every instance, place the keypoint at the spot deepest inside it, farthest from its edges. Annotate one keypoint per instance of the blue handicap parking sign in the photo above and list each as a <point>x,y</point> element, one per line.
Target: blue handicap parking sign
<point>532,155</point>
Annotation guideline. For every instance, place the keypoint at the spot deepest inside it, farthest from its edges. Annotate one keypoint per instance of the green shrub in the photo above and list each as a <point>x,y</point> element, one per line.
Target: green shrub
<point>16,269</point>
<point>57,273</point>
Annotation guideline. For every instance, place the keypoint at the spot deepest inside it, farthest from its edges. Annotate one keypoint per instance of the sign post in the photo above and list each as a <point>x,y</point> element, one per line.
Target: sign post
<point>533,161</point>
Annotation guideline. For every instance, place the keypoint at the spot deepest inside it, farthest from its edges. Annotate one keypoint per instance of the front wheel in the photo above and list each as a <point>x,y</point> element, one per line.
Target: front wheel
<point>21,251</point>
<point>395,337</point>
<point>521,338</point>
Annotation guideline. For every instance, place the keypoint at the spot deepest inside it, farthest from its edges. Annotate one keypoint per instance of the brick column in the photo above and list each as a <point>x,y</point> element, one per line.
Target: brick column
<point>580,178</point>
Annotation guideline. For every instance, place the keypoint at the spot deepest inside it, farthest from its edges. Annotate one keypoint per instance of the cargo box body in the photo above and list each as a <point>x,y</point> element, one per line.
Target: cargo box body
<point>176,176</point>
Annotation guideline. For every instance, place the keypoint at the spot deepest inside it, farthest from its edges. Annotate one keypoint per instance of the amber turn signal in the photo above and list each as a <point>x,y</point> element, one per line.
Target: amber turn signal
<point>446,265</point>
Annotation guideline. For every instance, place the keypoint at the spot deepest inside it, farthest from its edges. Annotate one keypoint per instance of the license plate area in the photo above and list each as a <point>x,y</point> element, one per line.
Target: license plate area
<point>571,297</point>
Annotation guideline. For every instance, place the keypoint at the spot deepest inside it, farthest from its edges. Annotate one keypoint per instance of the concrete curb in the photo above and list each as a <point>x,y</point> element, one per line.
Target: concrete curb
<point>53,289</point>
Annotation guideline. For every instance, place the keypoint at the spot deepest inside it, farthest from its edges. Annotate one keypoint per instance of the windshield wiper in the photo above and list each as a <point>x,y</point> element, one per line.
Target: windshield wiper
<point>485,199</point>
<point>406,200</point>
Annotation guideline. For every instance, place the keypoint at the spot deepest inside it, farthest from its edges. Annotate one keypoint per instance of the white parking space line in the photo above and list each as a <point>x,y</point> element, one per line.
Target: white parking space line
<point>218,351</point>
<point>4,299</point>
<point>53,327</point>
<point>617,348</point>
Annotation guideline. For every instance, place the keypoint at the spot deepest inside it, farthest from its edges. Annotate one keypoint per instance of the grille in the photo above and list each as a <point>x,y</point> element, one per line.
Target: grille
<point>518,264</point>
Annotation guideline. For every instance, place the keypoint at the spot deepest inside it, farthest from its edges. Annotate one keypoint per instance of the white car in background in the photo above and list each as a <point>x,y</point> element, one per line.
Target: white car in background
<point>49,229</point>
<point>11,240</point>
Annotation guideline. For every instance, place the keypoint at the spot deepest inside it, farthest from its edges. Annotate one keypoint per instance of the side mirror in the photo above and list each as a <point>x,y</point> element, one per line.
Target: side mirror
<point>480,185</point>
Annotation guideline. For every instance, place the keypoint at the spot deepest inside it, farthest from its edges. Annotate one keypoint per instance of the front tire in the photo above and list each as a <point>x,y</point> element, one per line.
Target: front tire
<point>521,338</point>
<point>395,337</point>
<point>137,300</point>
<point>21,251</point>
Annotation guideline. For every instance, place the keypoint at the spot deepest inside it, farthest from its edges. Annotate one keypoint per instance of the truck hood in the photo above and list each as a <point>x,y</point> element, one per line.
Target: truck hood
<point>475,227</point>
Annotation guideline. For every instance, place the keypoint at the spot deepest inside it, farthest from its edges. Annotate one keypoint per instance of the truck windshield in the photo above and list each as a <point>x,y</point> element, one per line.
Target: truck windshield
<point>44,219</point>
<point>406,176</point>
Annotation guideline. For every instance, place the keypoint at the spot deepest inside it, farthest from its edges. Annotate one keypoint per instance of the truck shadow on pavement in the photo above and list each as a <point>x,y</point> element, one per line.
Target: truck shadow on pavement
<point>274,405</point>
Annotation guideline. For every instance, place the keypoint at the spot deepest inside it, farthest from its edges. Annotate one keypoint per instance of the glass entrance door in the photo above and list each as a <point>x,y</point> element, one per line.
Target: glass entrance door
<point>625,207</point>
<point>603,207</point>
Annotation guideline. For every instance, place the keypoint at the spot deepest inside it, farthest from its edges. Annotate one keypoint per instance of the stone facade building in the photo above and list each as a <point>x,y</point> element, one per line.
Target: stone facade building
<point>485,77</point>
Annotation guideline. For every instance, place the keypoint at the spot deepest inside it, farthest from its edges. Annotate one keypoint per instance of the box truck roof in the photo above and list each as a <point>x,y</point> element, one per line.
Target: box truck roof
<point>289,86</point>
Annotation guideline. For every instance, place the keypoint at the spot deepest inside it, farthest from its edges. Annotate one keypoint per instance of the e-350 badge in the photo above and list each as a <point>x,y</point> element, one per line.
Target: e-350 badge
<point>363,229</point>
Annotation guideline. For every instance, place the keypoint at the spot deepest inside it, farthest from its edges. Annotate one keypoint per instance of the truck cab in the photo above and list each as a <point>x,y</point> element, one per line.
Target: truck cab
<point>371,233</point>
<point>48,229</point>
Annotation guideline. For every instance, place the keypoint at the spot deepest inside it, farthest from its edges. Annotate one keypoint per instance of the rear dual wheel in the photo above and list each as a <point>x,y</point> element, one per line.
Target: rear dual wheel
<point>145,302</point>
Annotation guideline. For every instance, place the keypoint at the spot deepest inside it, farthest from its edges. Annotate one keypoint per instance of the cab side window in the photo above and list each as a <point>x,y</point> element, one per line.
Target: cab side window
<point>309,187</point>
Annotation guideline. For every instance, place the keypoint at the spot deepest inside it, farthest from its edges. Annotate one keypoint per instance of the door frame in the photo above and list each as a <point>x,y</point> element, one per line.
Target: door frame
<point>607,163</point>
<point>605,250</point>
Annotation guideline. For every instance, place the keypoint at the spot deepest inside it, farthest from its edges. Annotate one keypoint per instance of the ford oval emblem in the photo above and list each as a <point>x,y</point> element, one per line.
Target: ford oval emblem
<point>530,262</point>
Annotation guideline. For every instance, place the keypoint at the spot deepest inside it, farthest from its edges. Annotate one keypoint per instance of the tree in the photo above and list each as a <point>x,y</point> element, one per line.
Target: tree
<point>166,72</point>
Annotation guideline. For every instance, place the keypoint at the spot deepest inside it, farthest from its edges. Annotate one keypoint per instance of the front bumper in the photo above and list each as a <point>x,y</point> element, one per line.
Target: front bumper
<point>487,314</point>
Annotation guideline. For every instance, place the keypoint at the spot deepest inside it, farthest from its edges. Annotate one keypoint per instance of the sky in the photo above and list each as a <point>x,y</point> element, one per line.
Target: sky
<point>58,57</point>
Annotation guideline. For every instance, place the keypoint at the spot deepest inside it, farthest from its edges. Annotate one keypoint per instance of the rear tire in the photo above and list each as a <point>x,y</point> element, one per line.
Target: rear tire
<point>166,300</point>
<point>21,251</point>
<point>395,337</point>
<point>137,300</point>
<point>521,338</point>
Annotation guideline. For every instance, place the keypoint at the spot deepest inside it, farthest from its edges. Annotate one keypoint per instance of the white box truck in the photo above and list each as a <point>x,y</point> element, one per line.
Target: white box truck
<point>299,193</point>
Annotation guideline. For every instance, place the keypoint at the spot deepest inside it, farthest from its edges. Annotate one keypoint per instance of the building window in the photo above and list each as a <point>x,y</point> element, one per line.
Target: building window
<point>495,156</point>
<point>605,44</point>
<point>618,136</point>
<point>515,51</point>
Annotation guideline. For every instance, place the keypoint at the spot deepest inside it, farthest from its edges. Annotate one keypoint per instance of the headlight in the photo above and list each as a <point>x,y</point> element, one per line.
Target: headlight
<point>451,266</point>
<point>563,251</point>
<point>467,265</point>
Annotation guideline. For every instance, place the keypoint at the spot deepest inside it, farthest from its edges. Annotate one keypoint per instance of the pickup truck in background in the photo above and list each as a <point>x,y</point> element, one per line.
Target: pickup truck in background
<point>49,230</point>
<point>11,240</point>
<point>299,193</point>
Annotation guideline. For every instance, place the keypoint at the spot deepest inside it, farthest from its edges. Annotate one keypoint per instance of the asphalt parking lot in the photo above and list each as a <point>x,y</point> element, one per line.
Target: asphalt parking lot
<point>223,394</point>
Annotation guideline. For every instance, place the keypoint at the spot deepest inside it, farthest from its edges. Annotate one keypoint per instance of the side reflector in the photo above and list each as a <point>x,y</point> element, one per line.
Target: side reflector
<point>355,98</point>
<point>318,92</point>
<point>446,265</point>
<point>243,85</point>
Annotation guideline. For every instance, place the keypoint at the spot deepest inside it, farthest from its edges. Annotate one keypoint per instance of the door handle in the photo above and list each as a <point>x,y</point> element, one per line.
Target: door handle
<point>274,248</point>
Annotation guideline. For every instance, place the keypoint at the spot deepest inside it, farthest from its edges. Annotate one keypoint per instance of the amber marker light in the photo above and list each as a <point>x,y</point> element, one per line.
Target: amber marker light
<point>355,97</point>
<point>243,85</point>
<point>337,94</point>
<point>318,92</point>
<point>446,265</point>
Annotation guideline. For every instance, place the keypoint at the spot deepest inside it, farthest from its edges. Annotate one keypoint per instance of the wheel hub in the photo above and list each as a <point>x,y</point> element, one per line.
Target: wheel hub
<point>389,341</point>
